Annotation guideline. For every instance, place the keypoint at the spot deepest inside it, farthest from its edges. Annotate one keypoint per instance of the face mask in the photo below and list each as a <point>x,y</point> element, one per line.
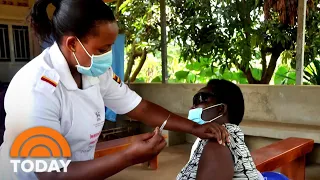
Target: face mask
<point>195,114</point>
<point>99,63</point>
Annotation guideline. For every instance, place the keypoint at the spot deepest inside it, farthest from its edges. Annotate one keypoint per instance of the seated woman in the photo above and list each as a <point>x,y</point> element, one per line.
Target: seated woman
<point>220,101</point>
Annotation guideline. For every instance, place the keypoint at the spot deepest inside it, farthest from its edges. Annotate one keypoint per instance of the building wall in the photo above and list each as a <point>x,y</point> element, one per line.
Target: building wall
<point>10,14</point>
<point>263,103</point>
<point>271,113</point>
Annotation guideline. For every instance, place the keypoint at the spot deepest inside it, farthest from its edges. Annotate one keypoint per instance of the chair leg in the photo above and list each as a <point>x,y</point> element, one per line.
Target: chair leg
<point>153,164</point>
<point>295,170</point>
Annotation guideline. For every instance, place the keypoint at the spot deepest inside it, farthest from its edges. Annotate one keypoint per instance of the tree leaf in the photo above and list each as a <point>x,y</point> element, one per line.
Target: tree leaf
<point>140,80</point>
<point>227,75</point>
<point>191,78</point>
<point>156,79</point>
<point>292,78</point>
<point>182,74</point>
<point>281,74</point>
<point>256,73</point>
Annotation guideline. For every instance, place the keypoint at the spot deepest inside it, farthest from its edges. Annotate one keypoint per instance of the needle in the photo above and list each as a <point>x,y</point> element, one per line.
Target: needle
<point>162,126</point>
<point>164,123</point>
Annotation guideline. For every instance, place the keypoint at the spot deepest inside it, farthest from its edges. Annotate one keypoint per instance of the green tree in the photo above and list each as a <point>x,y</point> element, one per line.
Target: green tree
<point>140,21</point>
<point>235,33</point>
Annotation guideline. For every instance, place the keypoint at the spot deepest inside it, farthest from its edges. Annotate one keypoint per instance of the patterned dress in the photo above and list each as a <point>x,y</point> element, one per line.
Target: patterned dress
<point>244,167</point>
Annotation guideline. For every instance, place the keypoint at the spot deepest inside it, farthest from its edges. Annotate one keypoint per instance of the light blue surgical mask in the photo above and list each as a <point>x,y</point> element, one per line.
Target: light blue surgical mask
<point>99,63</point>
<point>195,114</point>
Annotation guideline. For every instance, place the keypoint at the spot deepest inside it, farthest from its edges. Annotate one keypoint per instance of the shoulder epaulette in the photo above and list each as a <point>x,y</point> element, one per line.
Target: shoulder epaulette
<point>48,81</point>
<point>116,78</point>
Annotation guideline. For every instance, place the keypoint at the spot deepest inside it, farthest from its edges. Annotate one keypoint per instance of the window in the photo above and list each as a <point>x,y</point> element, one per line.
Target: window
<point>23,3</point>
<point>14,43</point>
<point>4,43</point>
<point>21,43</point>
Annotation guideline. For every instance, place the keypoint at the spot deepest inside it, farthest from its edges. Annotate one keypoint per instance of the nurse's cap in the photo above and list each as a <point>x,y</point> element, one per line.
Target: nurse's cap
<point>48,81</point>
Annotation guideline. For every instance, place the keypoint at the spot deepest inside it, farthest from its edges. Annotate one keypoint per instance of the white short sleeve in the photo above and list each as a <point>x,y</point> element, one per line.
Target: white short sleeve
<point>117,95</point>
<point>30,106</point>
<point>33,105</point>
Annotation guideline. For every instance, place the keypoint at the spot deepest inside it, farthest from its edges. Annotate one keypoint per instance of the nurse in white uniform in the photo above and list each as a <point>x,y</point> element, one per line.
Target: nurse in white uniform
<point>67,87</point>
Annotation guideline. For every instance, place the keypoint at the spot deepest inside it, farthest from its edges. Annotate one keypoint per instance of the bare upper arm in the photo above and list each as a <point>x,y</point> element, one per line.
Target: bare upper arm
<point>215,162</point>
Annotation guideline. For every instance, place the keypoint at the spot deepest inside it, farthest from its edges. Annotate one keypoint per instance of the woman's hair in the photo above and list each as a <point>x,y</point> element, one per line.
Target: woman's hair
<point>230,94</point>
<point>71,17</point>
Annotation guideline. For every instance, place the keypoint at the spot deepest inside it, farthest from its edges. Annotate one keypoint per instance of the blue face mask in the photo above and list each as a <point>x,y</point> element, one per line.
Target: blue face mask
<point>99,63</point>
<point>195,114</point>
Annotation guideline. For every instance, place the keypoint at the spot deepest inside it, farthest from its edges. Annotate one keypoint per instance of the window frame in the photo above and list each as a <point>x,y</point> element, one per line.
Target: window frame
<point>11,42</point>
<point>7,45</point>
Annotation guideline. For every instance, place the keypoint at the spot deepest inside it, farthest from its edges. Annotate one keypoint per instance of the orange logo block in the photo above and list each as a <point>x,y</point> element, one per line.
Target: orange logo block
<point>37,143</point>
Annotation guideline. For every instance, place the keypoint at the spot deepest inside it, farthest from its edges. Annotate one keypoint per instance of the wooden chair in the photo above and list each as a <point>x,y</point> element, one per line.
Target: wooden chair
<point>113,146</point>
<point>289,155</point>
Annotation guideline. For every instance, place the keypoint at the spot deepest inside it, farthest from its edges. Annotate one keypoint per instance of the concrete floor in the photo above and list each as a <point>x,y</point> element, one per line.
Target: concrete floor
<point>172,160</point>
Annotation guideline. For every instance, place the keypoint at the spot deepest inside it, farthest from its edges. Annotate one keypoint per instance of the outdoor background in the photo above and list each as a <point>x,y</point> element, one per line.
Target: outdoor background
<point>250,41</point>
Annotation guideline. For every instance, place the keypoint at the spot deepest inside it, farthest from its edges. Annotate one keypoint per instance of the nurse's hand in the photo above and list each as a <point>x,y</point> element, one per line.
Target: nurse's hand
<point>212,130</point>
<point>147,147</point>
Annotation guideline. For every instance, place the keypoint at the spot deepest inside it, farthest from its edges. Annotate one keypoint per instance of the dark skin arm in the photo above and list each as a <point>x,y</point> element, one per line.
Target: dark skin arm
<point>140,151</point>
<point>215,163</point>
<point>154,115</point>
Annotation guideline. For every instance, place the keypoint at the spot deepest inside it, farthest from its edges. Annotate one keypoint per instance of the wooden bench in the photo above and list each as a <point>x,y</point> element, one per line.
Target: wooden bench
<point>113,146</point>
<point>289,155</point>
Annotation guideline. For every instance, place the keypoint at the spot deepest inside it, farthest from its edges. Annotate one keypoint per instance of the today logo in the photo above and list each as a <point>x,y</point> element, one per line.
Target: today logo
<point>39,144</point>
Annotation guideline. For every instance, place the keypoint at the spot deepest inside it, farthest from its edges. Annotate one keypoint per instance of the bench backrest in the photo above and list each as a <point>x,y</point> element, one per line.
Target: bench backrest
<point>281,153</point>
